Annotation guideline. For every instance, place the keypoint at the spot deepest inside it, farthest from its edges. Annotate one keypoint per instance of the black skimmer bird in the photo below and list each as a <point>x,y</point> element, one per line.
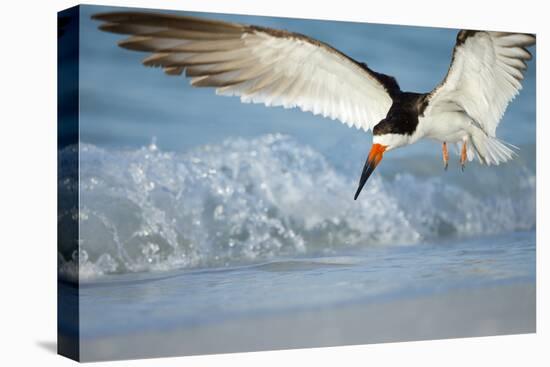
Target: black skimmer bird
<point>280,68</point>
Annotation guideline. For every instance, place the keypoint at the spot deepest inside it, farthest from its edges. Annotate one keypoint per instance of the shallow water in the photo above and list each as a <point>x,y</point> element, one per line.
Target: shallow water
<point>145,302</point>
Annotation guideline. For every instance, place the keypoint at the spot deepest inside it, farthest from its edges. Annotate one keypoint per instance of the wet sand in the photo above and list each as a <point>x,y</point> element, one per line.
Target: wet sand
<point>496,310</point>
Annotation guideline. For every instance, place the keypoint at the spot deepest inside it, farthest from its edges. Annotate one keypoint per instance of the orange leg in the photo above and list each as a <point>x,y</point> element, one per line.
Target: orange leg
<point>463,155</point>
<point>445,156</point>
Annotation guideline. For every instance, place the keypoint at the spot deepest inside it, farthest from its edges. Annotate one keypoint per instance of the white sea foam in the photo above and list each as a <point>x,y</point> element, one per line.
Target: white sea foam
<point>252,200</point>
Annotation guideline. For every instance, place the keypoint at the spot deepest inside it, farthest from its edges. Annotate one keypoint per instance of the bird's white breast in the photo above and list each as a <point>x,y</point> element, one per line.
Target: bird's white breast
<point>448,127</point>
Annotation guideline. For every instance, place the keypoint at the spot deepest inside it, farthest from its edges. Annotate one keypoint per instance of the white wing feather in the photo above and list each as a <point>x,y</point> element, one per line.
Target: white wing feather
<point>261,65</point>
<point>484,76</point>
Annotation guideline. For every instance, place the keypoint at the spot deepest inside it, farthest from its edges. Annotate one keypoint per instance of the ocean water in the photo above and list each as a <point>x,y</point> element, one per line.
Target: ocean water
<point>216,294</point>
<point>445,289</point>
<point>197,210</point>
<point>247,201</point>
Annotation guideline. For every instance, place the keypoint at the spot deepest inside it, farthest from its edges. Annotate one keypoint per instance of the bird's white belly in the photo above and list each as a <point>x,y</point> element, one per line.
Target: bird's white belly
<point>451,127</point>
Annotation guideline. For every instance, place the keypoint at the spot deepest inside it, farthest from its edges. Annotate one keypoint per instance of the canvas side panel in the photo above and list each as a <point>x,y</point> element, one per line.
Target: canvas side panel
<point>68,343</point>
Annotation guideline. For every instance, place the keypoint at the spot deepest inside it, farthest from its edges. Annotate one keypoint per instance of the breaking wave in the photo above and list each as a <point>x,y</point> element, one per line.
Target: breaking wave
<point>252,200</point>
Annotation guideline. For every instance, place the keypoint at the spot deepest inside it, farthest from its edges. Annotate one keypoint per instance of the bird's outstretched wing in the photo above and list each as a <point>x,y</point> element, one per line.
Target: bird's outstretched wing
<point>261,65</point>
<point>485,75</point>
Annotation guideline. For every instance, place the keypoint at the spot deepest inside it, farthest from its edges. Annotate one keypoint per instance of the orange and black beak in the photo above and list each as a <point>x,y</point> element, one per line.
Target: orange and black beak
<point>375,156</point>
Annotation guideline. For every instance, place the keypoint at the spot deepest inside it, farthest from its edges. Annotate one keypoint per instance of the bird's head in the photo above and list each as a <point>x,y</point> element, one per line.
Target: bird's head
<point>387,135</point>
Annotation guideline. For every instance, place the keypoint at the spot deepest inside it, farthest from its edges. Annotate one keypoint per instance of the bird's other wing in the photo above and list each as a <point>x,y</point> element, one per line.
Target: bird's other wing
<point>485,75</point>
<point>261,65</point>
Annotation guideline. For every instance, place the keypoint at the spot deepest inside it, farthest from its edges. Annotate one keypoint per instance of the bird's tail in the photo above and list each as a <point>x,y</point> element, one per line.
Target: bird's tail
<point>491,150</point>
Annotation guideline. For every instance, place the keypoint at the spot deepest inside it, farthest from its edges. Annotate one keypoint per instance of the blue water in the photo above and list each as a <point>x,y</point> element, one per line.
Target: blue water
<point>122,305</point>
<point>196,209</point>
<point>251,200</point>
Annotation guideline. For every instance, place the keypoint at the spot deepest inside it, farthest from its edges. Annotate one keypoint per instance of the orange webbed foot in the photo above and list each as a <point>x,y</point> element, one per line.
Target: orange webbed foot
<point>463,156</point>
<point>445,156</point>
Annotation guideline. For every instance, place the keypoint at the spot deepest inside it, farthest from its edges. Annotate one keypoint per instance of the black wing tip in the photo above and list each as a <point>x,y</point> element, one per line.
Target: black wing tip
<point>115,16</point>
<point>104,16</point>
<point>168,19</point>
<point>464,34</point>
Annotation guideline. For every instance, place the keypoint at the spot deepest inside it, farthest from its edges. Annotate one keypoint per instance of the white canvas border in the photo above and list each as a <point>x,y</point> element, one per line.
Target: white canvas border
<point>28,305</point>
